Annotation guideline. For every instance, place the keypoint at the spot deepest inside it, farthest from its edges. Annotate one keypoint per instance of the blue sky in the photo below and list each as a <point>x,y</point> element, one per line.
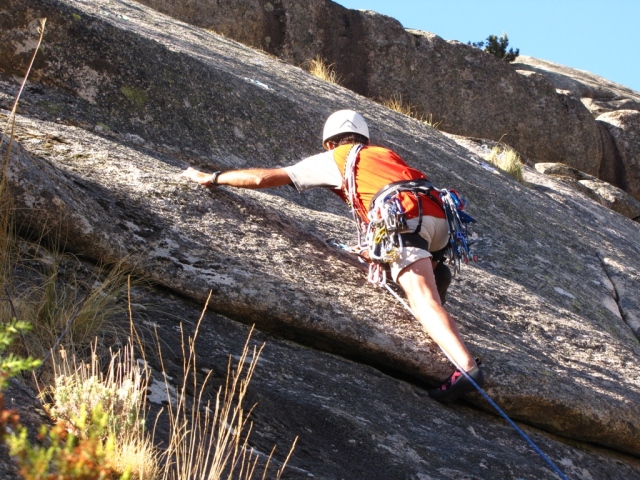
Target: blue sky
<point>602,37</point>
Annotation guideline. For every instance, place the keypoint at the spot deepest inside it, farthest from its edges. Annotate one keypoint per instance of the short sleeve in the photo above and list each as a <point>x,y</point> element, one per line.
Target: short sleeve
<point>316,171</point>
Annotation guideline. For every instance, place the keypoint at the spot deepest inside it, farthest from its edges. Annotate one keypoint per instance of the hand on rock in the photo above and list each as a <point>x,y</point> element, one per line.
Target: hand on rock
<point>198,176</point>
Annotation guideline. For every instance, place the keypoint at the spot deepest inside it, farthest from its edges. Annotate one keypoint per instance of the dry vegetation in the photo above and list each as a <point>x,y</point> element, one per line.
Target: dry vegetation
<point>85,387</point>
<point>319,68</point>
<point>60,307</point>
<point>396,104</point>
<point>507,160</point>
<point>211,440</point>
<point>99,408</point>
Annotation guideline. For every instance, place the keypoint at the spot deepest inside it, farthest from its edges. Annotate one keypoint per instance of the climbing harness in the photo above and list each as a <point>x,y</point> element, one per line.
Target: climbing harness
<point>380,237</point>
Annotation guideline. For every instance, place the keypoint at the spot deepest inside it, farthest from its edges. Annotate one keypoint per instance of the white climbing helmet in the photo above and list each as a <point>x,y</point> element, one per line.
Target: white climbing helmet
<point>344,121</point>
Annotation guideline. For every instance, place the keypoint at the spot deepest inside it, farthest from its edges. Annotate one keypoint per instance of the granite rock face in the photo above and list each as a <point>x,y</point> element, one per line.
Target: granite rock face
<point>544,110</point>
<point>598,94</point>
<point>604,193</point>
<point>352,421</point>
<point>624,128</point>
<point>124,98</point>
<point>468,91</point>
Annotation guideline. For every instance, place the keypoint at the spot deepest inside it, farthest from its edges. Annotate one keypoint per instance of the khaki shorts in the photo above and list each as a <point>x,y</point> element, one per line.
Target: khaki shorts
<point>434,230</point>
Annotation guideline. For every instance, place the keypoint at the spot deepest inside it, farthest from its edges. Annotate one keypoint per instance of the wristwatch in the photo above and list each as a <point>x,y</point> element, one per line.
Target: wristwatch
<point>214,179</point>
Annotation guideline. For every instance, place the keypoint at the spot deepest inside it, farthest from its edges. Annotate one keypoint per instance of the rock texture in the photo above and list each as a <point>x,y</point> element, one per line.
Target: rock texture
<point>352,420</point>
<point>470,92</point>
<point>598,94</point>
<point>624,128</point>
<point>355,422</point>
<point>604,193</point>
<point>124,98</point>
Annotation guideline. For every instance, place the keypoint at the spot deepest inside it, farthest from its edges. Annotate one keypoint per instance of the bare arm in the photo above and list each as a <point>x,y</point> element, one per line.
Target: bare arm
<point>248,178</point>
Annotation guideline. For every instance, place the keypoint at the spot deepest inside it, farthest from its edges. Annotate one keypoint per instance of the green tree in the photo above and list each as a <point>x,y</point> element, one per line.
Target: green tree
<point>497,46</point>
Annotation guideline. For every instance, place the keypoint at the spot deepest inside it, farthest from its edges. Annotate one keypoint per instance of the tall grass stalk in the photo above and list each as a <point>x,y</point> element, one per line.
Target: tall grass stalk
<point>6,201</point>
<point>12,115</point>
<point>58,308</point>
<point>210,441</point>
<point>7,230</point>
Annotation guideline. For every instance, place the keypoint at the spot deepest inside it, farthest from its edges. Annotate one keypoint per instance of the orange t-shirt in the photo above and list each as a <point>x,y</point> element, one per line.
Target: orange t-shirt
<point>377,167</point>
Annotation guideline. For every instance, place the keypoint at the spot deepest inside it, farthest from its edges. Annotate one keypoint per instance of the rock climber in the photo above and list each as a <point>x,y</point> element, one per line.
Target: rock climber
<point>421,255</point>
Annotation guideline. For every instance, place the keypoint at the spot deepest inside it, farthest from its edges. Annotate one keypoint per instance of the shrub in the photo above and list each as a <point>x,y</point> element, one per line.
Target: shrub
<point>114,397</point>
<point>498,47</point>
<point>66,454</point>
<point>11,365</point>
<point>63,454</point>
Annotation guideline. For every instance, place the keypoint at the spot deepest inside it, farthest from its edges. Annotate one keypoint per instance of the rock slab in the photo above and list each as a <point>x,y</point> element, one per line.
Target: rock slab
<point>116,114</point>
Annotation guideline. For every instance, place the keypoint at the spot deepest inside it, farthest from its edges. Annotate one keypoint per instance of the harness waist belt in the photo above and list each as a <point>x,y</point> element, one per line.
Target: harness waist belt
<point>420,184</point>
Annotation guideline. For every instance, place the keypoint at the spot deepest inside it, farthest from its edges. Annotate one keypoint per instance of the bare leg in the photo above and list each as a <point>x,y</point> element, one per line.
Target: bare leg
<point>419,284</point>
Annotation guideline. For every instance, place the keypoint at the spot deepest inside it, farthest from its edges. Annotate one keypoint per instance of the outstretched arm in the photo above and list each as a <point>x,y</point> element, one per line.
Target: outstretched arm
<point>248,178</point>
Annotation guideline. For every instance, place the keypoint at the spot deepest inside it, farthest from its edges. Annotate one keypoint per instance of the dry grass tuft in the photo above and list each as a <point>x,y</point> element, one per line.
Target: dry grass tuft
<point>82,388</point>
<point>319,68</point>
<point>507,160</point>
<point>396,104</point>
<point>207,439</point>
<point>211,440</point>
<point>137,456</point>
<point>61,308</point>
<point>431,122</point>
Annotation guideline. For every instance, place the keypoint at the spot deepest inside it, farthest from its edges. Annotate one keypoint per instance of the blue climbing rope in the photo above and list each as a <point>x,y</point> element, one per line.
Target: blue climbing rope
<point>488,399</point>
<point>553,466</point>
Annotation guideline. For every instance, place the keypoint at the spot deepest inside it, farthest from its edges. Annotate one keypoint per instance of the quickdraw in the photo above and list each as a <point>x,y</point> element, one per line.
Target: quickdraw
<point>458,222</point>
<point>386,222</point>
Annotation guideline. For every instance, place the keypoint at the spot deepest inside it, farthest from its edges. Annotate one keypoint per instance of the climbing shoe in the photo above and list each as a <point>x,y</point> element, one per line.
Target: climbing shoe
<point>457,385</point>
